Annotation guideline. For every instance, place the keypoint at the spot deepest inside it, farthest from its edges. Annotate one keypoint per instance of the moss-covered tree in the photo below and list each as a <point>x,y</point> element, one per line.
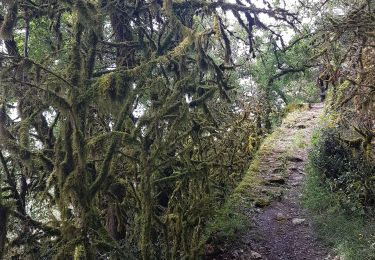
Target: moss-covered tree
<point>119,133</point>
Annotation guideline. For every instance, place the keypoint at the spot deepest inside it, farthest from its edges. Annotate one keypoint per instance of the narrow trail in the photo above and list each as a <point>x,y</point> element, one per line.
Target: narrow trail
<point>280,229</point>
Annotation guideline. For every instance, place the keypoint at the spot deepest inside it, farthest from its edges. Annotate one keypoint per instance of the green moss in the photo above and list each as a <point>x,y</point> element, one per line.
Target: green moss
<point>227,223</point>
<point>231,218</point>
<point>79,252</point>
<point>263,202</point>
<point>24,133</point>
<point>299,141</point>
<point>107,85</point>
<point>341,92</point>
<point>296,106</point>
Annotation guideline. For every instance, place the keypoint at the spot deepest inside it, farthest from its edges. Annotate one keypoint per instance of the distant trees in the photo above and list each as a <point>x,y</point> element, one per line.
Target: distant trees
<point>121,128</point>
<point>285,73</point>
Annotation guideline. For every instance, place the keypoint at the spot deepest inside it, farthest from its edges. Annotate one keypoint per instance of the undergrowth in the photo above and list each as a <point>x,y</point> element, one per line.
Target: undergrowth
<point>341,220</point>
<point>231,217</point>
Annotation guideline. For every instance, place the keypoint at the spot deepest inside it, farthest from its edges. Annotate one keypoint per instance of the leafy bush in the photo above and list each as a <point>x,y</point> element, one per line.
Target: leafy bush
<point>337,192</point>
<point>346,169</point>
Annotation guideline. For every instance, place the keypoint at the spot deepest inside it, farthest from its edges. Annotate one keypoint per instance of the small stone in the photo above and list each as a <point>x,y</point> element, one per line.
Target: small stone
<point>280,217</point>
<point>298,221</point>
<point>235,253</point>
<point>255,255</point>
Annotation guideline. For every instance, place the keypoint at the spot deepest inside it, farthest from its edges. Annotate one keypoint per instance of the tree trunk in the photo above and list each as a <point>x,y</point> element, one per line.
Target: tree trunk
<point>146,214</point>
<point>4,213</point>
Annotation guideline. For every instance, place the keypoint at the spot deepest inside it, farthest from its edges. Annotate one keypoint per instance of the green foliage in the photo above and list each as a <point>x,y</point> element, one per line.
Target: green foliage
<point>286,70</point>
<point>227,224</point>
<point>285,75</point>
<point>346,169</point>
<point>334,201</point>
<point>351,235</point>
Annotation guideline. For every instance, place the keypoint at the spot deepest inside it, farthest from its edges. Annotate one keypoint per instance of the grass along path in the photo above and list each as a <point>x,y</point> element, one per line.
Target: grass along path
<point>267,201</point>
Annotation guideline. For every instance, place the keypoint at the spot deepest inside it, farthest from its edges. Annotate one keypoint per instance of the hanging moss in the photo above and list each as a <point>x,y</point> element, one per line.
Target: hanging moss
<point>24,133</point>
<point>114,85</point>
<point>134,149</point>
<point>10,20</point>
<point>79,253</point>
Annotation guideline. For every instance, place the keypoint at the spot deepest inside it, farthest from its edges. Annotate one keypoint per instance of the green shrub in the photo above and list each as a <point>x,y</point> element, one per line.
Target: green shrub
<point>336,205</point>
<point>347,171</point>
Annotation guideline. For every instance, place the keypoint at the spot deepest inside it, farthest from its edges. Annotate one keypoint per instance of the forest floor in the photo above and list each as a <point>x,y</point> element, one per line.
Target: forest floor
<point>279,228</point>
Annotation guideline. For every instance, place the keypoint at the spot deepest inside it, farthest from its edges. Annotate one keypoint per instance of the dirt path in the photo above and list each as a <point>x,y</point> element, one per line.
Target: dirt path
<point>281,229</point>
